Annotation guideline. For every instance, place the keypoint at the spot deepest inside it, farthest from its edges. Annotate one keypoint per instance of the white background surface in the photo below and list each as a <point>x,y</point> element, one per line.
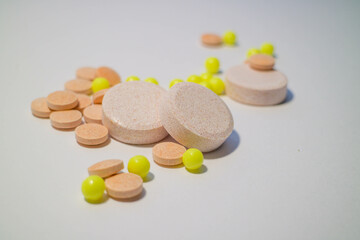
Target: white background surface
<point>290,171</point>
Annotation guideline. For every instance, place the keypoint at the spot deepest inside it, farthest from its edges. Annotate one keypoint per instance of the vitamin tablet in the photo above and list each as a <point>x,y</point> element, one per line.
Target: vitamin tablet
<point>229,38</point>
<point>106,168</point>
<point>99,84</point>
<point>206,76</point>
<point>84,101</point>
<point>78,86</point>
<point>174,81</point>
<point>267,48</point>
<point>62,100</point>
<point>211,40</point>
<point>39,108</point>
<point>205,125</point>
<point>93,188</point>
<point>98,96</point>
<point>193,159</point>
<point>66,119</point>
<point>151,80</point>
<point>212,65</point>
<point>249,86</point>
<point>132,78</point>
<point>262,62</point>
<point>194,78</point>
<point>206,84</point>
<point>217,85</point>
<point>252,51</point>
<point>168,153</point>
<point>109,74</point>
<point>87,73</point>
<point>91,134</point>
<point>131,112</point>
<point>139,165</point>
<point>124,185</point>
<point>93,114</point>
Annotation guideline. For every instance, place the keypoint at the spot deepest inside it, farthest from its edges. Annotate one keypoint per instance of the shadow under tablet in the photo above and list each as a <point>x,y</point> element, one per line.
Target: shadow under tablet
<point>229,146</point>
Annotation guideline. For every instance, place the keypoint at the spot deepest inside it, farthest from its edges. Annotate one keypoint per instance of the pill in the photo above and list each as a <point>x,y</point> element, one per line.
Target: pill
<point>39,108</point>
<point>217,85</point>
<point>66,119</point>
<point>206,84</point>
<point>78,86</point>
<point>91,134</point>
<point>106,168</point>
<point>194,78</point>
<point>151,80</point>
<point>98,96</point>
<point>93,114</point>
<point>252,51</point>
<point>139,165</point>
<point>93,188</point>
<point>229,38</point>
<point>132,78</point>
<point>62,100</point>
<point>168,153</point>
<point>212,65</point>
<point>262,62</point>
<point>174,81</point>
<point>87,73</point>
<point>205,125</point>
<point>211,40</point>
<point>193,159</point>
<point>110,74</point>
<point>99,84</point>
<point>249,86</point>
<point>84,101</point>
<point>124,185</point>
<point>267,48</point>
<point>206,76</point>
<point>131,112</point>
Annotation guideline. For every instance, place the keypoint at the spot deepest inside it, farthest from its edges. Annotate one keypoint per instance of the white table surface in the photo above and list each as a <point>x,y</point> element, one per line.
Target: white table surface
<point>290,171</point>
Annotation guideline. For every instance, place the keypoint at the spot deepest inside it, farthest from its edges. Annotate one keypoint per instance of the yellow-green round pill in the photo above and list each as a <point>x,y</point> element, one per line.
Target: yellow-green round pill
<point>212,65</point>
<point>195,79</point>
<point>174,81</point>
<point>93,188</point>
<point>229,38</point>
<point>267,48</point>
<point>193,159</point>
<point>139,165</point>
<point>206,76</point>
<point>132,78</point>
<point>252,51</point>
<point>99,84</point>
<point>151,80</point>
<point>217,85</point>
<point>206,84</point>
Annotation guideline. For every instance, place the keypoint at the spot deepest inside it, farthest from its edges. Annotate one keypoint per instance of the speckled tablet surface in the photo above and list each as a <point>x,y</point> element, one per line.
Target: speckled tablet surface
<point>195,116</point>
<point>131,112</point>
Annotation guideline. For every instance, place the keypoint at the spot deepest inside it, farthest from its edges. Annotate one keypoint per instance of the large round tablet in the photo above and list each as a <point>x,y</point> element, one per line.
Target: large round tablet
<point>131,112</point>
<point>195,116</point>
<point>254,87</point>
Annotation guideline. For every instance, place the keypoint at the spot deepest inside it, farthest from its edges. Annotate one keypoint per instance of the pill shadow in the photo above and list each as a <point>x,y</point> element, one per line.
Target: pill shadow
<point>133,199</point>
<point>229,146</point>
<point>104,199</point>
<point>181,165</point>
<point>289,97</point>
<point>107,142</point>
<point>149,177</point>
<point>201,170</point>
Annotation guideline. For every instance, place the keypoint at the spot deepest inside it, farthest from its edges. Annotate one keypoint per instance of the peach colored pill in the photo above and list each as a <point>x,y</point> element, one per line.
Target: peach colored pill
<point>109,74</point>
<point>262,62</point>
<point>98,96</point>
<point>79,86</point>
<point>65,119</point>
<point>106,168</point>
<point>39,108</point>
<point>210,39</point>
<point>93,114</point>
<point>91,134</point>
<point>124,185</point>
<point>84,101</point>
<point>62,100</point>
<point>168,153</point>
<point>87,73</point>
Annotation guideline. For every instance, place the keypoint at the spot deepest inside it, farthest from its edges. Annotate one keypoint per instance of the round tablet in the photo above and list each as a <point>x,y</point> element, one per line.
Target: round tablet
<point>62,100</point>
<point>210,39</point>
<point>87,73</point>
<point>168,153</point>
<point>106,168</point>
<point>109,74</point>
<point>39,108</point>
<point>262,62</point>
<point>93,114</point>
<point>124,185</point>
<point>78,86</point>
<point>84,101</point>
<point>131,112</point>
<point>65,119</point>
<point>99,95</point>
<point>195,116</point>
<point>249,86</point>
<point>91,134</point>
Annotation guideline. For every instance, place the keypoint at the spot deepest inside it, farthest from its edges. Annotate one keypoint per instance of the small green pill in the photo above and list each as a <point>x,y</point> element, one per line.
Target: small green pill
<point>139,165</point>
<point>206,76</point>
<point>252,51</point>
<point>195,79</point>
<point>174,81</point>
<point>193,159</point>
<point>229,38</point>
<point>212,65</point>
<point>267,48</point>
<point>217,85</point>
<point>99,84</point>
<point>93,188</point>
<point>151,80</point>
<point>132,78</point>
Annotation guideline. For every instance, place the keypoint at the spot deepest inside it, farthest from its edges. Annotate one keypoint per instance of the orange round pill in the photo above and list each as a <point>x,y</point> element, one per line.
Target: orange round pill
<point>39,108</point>
<point>210,39</point>
<point>79,86</point>
<point>93,114</point>
<point>124,185</point>
<point>106,168</point>
<point>62,100</point>
<point>262,62</point>
<point>87,73</point>
<point>66,119</point>
<point>91,134</point>
<point>168,153</point>
<point>99,95</point>
<point>110,75</point>
<point>84,101</point>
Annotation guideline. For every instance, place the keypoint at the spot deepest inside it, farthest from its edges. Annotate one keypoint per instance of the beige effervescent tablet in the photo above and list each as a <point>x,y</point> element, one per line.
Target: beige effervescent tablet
<point>210,39</point>
<point>66,119</point>
<point>98,96</point>
<point>124,185</point>
<point>39,108</point>
<point>106,168</point>
<point>131,112</point>
<point>111,75</point>
<point>79,86</point>
<point>84,101</point>
<point>62,100</point>
<point>247,85</point>
<point>195,116</point>
<point>91,134</point>
<point>93,114</point>
<point>261,62</point>
<point>168,153</point>
<point>87,73</point>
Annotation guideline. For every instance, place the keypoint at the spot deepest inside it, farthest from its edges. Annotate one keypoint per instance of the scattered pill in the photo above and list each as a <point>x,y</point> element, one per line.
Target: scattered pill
<point>252,51</point>
<point>174,81</point>
<point>93,188</point>
<point>193,159</point>
<point>84,101</point>
<point>39,108</point>
<point>132,78</point>
<point>139,165</point>
<point>217,85</point>
<point>109,74</point>
<point>229,38</point>
<point>93,114</point>
<point>124,185</point>
<point>87,73</point>
<point>212,65</point>
<point>206,76</point>
<point>206,84</point>
<point>168,153</point>
<point>79,86</point>
<point>66,119</point>
<point>91,134</point>
<point>151,80</point>
<point>99,95</point>
<point>267,48</point>
<point>262,62</point>
<point>106,168</point>
<point>195,79</point>
<point>211,40</point>
<point>99,84</point>
<point>62,100</point>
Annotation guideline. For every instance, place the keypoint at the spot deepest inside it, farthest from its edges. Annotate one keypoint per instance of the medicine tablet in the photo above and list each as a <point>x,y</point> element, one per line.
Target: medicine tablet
<point>62,100</point>
<point>66,119</point>
<point>109,74</point>
<point>195,116</point>
<point>124,185</point>
<point>78,86</point>
<point>39,108</point>
<point>93,114</point>
<point>84,101</point>
<point>106,168</point>
<point>131,112</point>
<point>99,95</point>
<point>261,62</point>
<point>249,86</point>
<point>87,73</point>
<point>168,153</point>
<point>210,39</point>
<point>91,134</point>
